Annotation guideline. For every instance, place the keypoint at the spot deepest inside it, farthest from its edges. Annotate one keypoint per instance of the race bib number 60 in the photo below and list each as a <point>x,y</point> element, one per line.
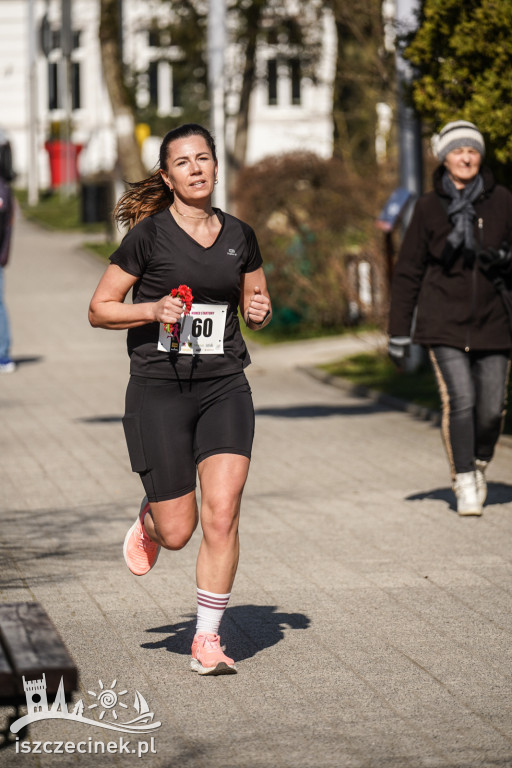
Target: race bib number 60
<point>201,333</point>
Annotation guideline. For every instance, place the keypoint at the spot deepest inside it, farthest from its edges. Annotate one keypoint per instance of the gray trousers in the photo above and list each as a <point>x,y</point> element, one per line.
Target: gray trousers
<point>473,390</point>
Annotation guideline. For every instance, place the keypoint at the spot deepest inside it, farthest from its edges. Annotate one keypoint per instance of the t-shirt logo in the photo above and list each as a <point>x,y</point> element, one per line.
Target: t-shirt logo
<point>231,252</point>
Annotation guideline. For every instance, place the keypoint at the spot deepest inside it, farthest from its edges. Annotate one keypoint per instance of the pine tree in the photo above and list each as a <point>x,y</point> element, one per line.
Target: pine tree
<point>463,58</point>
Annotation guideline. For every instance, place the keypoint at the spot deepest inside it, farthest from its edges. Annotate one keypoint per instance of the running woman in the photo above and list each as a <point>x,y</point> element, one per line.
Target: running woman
<point>188,409</point>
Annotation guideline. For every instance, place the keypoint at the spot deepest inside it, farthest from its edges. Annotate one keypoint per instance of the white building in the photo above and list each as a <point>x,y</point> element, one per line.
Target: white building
<point>287,111</point>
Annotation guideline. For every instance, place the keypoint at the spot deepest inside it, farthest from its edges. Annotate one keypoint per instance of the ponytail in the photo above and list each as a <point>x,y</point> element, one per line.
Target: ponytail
<point>142,199</point>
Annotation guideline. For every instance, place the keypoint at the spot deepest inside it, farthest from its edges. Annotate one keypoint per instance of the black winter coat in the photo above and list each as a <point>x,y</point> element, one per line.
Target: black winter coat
<point>6,219</point>
<point>463,308</point>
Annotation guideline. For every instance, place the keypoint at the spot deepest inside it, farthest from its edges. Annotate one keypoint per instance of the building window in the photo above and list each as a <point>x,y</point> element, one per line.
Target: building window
<point>54,80</point>
<point>291,71</point>
<point>178,85</point>
<point>75,85</point>
<point>295,77</point>
<point>55,39</point>
<point>154,38</point>
<point>272,81</point>
<point>153,83</point>
<point>57,76</point>
<point>53,85</point>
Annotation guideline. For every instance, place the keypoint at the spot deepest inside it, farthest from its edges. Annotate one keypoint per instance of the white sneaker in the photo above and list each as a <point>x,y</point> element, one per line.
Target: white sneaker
<point>466,493</point>
<point>7,365</point>
<point>481,483</point>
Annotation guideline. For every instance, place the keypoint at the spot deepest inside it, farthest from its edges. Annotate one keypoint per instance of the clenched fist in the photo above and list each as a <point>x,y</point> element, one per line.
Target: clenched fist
<point>259,308</point>
<point>168,310</point>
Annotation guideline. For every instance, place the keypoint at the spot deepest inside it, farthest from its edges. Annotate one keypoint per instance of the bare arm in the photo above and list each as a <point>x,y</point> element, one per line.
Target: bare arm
<point>108,310</point>
<point>254,300</point>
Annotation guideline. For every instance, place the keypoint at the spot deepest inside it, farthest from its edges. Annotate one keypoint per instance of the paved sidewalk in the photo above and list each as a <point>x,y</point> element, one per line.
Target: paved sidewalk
<point>371,626</point>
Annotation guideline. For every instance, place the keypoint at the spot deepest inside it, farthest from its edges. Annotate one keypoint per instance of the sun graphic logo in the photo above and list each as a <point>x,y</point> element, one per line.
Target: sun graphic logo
<point>108,699</point>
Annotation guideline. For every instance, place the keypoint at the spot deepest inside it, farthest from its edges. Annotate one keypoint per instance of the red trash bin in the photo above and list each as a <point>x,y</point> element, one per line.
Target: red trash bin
<point>63,157</point>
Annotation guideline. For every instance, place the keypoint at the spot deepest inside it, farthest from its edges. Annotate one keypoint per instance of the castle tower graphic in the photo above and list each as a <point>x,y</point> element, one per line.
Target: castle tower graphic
<point>35,692</point>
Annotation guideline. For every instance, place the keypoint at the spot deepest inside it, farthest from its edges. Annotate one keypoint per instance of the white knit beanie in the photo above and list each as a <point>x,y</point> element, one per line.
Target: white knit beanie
<point>460,133</point>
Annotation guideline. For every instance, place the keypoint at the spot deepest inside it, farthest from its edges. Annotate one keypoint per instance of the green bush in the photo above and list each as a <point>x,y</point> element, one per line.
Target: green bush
<point>312,217</point>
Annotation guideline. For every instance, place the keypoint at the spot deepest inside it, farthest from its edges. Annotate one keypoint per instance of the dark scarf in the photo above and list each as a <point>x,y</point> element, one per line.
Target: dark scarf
<point>461,213</point>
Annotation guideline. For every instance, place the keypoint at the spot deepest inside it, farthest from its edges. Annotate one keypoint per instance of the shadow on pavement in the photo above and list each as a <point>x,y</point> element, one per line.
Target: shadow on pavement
<point>320,411</point>
<point>438,494</point>
<point>28,360</point>
<point>40,545</point>
<point>248,629</point>
<point>100,419</point>
<point>497,493</point>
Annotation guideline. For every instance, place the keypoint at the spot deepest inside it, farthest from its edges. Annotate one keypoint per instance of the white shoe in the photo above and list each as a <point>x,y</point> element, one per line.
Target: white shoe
<point>481,483</point>
<point>7,365</point>
<point>467,498</point>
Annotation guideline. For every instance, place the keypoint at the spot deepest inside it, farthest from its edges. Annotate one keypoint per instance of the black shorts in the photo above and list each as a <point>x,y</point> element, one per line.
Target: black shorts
<point>170,427</point>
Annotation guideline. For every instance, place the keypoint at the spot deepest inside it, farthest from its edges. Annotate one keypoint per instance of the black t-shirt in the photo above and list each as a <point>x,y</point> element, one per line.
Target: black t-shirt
<point>163,256</point>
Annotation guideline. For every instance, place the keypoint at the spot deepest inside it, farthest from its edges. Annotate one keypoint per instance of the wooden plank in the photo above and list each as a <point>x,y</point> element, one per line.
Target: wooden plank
<point>34,646</point>
<point>7,682</point>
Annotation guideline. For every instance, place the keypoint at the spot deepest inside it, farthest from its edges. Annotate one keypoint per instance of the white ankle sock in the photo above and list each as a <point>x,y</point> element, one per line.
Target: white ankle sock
<point>210,609</point>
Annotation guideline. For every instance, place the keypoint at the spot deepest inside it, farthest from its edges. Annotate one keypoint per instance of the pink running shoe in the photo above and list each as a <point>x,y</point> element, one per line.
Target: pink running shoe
<point>208,657</point>
<point>140,552</point>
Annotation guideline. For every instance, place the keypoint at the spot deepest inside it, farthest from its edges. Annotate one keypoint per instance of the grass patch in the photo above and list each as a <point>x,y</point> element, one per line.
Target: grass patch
<point>276,334</point>
<point>103,250</point>
<point>55,211</point>
<point>376,371</point>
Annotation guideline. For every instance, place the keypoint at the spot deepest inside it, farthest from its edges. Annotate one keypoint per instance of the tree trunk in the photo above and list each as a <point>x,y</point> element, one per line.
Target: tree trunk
<point>236,159</point>
<point>362,80</point>
<point>128,152</point>
<point>249,76</point>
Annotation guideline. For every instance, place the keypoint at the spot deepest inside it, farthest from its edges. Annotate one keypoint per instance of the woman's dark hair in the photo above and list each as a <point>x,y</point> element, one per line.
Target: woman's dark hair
<point>151,195</point>
<point>184,132</point>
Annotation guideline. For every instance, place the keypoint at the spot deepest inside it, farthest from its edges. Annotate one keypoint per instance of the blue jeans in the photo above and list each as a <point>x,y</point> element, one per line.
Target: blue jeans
<point>473,390</point>
<point>5,334</point>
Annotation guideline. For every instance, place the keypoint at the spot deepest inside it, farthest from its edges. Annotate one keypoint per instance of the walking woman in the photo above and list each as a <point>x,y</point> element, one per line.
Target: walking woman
<point>188,403</point>
<point>455,264</point>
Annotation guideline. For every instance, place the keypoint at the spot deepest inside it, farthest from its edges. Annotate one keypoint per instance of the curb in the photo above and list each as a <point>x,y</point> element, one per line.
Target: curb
<point>358,390</point>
